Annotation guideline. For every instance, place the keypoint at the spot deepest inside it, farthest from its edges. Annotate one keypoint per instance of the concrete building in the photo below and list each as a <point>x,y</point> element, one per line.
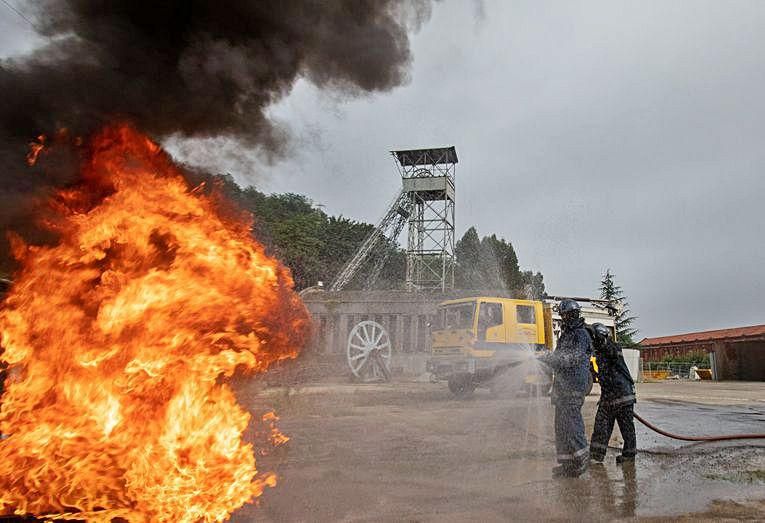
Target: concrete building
<point>406,316</point>
<point>735,354</point>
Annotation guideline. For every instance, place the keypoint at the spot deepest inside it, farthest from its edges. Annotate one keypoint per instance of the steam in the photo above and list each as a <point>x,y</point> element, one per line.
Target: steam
<point>189,68</point>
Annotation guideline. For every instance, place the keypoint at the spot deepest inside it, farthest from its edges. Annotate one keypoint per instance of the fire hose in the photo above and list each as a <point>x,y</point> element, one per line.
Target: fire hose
<point>722,437</point>
<point>725,437</point>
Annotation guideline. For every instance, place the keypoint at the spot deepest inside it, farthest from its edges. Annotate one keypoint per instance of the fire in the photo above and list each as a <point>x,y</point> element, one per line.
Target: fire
<point>122,335</point>
<point>35,148</point>
<point>276,436</point>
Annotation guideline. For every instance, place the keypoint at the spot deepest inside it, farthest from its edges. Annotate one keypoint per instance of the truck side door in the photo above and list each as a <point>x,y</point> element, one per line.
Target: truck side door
<point>527,324</point>
<point>490,323</point>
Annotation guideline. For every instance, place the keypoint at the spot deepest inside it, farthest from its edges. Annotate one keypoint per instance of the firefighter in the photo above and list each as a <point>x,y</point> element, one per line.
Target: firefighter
<point>570,362</point>
<point>617,397</point>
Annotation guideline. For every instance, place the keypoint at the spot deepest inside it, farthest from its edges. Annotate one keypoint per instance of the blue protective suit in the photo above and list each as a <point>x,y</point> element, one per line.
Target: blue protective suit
<point>570,362</point>
<point>617,397</point>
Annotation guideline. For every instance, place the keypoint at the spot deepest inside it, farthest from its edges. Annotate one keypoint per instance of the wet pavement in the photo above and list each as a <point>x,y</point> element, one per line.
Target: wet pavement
<point>679,476</point>
<point>696,420</point>
<point>407,451</point>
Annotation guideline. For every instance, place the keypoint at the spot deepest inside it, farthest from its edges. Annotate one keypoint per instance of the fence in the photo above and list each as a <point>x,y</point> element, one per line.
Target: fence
<point>655,370</point>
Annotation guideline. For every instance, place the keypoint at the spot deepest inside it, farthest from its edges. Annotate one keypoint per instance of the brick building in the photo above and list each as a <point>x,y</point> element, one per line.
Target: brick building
<point>735,354</point>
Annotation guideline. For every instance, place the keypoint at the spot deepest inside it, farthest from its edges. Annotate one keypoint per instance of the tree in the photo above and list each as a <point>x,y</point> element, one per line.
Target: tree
<point>610,291</point>
<point>316,246</point>
<point>491,263</point>
<point>467,274</point>
<point>533,285</point>
<point>313,245</point>
<point>499,264</point>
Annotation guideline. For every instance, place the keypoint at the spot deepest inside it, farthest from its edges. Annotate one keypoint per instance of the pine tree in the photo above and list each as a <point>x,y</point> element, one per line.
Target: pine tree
<point>491,263</point>
<point>612,292</point>
<point>467,253</point>
<point>316,246</point>
<point>533,285</point>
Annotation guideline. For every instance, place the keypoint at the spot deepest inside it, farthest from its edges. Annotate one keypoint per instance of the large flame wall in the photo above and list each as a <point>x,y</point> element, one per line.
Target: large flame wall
<point>120,334</point>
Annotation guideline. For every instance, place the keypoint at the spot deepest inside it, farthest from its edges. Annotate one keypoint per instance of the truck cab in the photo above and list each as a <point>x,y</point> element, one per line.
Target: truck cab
<point>473,339</point>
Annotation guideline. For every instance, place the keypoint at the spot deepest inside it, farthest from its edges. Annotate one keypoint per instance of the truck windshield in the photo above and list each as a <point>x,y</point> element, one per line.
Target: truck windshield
<point>458,316</point>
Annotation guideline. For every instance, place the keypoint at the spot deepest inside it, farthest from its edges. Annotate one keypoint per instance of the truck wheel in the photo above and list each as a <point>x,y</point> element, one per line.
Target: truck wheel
<point>461,385</point>
<point>590,381</point>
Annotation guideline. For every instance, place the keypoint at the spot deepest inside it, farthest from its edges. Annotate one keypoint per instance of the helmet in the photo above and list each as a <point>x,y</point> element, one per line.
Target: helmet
<point>568,307</point>
<point>569,310</point>
<point>601,330</point>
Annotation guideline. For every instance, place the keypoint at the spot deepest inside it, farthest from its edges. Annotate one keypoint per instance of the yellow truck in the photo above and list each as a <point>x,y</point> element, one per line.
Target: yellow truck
<point>474,340</point>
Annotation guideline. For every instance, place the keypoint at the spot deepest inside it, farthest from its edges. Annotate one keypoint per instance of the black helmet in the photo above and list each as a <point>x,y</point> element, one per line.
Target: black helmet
<point>569,307</point>
<point>569,311</point>
<point>601,330</point>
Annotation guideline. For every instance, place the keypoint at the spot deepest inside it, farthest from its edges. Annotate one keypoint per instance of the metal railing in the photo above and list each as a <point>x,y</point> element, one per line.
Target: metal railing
<point>659,370</point>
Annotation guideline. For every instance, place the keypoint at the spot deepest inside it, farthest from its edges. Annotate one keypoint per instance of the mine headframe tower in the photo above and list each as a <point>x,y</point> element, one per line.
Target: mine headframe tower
<point>426,203</point>
<point>428,178</point>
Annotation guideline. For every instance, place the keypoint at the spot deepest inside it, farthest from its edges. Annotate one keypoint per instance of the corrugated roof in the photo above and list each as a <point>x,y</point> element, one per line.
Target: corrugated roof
<point>691,337</point>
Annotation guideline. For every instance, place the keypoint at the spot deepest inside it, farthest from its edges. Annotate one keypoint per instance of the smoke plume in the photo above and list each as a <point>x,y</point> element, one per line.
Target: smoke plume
<point>195,68</point>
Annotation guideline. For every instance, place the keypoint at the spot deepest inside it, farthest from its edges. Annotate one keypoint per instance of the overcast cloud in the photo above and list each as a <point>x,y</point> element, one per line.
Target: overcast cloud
<point>590,134</point>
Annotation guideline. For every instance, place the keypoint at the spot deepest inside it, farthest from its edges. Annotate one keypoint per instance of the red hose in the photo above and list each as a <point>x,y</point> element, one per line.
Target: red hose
<point>697,438</point>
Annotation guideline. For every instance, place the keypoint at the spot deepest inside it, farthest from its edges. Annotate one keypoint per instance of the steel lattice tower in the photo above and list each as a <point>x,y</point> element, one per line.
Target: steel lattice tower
<point>428,182</point>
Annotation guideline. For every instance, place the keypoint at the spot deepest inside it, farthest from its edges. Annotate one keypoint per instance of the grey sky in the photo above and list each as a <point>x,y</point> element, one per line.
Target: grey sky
<point>590,134</point>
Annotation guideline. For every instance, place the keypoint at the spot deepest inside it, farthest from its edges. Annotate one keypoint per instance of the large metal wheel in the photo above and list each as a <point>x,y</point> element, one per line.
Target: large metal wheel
<point>369,352</point>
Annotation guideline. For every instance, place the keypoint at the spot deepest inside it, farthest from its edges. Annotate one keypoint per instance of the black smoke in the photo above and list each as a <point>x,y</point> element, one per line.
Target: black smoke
<point>191,67</point>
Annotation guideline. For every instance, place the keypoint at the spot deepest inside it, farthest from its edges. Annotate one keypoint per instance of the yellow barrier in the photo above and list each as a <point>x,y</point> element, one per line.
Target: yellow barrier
<point>655,374</point>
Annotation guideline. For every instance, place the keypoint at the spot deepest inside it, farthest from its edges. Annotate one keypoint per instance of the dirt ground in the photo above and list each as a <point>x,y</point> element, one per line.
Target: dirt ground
<point>406,451</point>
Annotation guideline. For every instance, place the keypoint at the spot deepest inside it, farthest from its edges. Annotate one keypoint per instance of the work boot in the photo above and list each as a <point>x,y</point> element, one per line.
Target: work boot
<point>560,471</point>
<point>569,471</point>
<point>581,468</point>
<point>624,459</point>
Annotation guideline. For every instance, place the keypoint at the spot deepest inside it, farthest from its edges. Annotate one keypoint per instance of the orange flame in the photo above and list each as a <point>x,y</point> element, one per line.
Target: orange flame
<point>35,148</point>
<point>276,437</point>
<point>120,335</point>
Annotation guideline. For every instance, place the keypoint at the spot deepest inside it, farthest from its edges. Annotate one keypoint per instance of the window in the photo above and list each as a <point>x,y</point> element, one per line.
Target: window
<point>490,315</point>
<point>457,316</point>
<point>525,314</point>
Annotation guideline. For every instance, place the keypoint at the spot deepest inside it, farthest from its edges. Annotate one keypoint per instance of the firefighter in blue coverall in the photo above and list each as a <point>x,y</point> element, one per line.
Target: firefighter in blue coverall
<point>617,397</point>
<point>570,362</point>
